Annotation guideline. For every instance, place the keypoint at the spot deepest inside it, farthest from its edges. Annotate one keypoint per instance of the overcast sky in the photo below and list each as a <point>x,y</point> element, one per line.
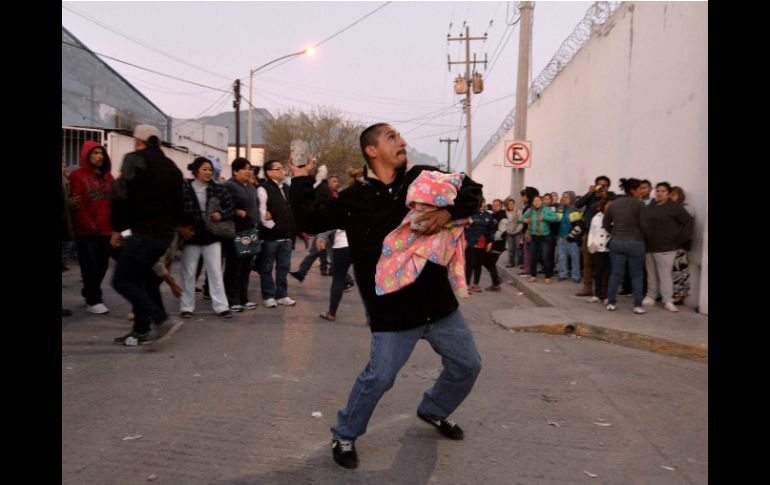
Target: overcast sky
<point>391,66</point>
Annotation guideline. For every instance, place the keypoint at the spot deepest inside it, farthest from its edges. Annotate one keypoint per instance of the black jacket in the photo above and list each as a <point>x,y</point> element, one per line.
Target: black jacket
<point>589,201</point>
<point>498,245</point>
<point>279,206</point>
<point>147,197</point>
<point>368,211</point>
<point>195,213</point>
<point>244,198</point>
<point>670,227</point>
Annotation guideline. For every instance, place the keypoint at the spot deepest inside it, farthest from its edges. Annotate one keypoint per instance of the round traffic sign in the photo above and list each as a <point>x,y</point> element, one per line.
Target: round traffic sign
<point>517,154</point>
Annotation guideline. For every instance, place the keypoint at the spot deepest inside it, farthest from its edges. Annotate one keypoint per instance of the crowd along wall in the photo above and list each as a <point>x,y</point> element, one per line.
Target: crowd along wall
<point>632,103</point>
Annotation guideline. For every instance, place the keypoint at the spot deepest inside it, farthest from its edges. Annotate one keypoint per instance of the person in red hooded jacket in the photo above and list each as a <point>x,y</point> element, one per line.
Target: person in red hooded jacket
<point>92,182</point>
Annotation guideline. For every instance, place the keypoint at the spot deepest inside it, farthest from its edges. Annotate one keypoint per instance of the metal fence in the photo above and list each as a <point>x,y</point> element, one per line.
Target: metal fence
<point>72,139</point>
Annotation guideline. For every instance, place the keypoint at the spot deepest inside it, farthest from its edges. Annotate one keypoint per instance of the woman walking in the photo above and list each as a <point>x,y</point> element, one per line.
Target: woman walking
<point>204,199</point>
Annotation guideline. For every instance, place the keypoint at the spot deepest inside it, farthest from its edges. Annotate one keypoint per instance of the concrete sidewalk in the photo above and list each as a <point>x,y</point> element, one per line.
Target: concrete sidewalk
<point>683,334</point>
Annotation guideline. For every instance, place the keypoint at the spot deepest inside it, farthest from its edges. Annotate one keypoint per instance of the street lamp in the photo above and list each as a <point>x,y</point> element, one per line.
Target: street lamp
<point>309,51</point>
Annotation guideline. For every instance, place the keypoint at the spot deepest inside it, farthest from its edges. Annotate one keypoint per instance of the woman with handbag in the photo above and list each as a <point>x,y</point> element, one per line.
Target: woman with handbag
<point>237,265</point>
<point>211,206</point>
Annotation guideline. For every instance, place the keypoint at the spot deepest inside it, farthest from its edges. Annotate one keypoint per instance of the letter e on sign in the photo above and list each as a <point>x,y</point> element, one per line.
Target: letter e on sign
<point>518,154</point>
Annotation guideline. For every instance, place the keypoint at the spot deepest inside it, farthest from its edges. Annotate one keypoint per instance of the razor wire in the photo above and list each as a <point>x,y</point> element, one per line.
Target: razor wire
<point>597,14</point>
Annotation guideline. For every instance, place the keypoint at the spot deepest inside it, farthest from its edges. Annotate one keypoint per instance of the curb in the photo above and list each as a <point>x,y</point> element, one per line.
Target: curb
<point>634,340</point>
<point>637,341</point>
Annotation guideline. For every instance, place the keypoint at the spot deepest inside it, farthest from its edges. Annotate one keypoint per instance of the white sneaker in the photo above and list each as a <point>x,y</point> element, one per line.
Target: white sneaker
<point>593,299</point>
<point>670,307</point>
<point>270,303</point>
<point>639,310</point>
<point>611,307</point>
<point>287,301</point>
<point>249,306</point>
<point>98,309</point>
<point>648,301</point>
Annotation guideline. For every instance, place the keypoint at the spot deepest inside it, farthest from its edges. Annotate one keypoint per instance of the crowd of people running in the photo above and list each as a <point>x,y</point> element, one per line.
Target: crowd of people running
<point>101,215</point>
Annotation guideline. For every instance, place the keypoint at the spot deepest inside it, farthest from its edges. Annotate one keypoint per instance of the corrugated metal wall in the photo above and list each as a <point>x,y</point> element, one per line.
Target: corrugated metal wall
<point>95,96</point>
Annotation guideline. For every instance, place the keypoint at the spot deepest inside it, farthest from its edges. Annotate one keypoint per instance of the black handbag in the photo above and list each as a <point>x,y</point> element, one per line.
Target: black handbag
<point>247,243</point>
<point>221,229</point>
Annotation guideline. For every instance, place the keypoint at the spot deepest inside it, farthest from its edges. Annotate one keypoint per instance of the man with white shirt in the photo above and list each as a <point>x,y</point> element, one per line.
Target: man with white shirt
<point>277,229</point>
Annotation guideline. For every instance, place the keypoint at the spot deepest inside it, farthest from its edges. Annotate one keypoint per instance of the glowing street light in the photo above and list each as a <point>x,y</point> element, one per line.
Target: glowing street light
<point>308,50</point>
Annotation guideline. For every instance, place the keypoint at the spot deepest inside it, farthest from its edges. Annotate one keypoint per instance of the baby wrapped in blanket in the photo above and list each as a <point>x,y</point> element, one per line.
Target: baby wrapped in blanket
<point>405,252</point>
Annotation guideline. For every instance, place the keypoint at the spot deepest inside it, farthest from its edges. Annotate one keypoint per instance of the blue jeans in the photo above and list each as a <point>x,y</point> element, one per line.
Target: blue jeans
<point>540,251</point>
<point>622,251</point>
<point>571,251</point>
<point>340,263</point>
<point>450,337</point>
<point>132,272</point>
<point>278,253</point>
<point>312,254</point>
<point>513,248</point>
<point>94,258</point>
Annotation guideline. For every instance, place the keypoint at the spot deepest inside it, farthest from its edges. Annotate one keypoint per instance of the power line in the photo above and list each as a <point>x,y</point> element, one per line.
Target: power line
<point>365,115</point>
<point>351,25</point>
<point>163,89</point>
<point>219,101</point>
<point>125,36</point>
<point>142,68</point>
<point>436,134</point>
<point>439,111</point>
<point>426,122</point>
<point>496,100</point>
<point>457,146</point>
<point>330,37</point>
<point>516,11</point>
<point>372,99</point>
<point>497,53</point>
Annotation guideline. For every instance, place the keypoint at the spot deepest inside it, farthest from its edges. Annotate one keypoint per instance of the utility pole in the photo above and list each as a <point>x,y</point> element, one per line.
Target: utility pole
<point>469,81</point>
<point>237,106</point>
<point>522,90</point>
<point>449,142</point>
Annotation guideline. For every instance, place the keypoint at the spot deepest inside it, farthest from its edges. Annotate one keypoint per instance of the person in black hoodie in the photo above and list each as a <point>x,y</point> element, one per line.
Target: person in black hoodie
<point>498,244</point>
<point>427,309</point>
<point>479,235</point>
<point>147,199</point>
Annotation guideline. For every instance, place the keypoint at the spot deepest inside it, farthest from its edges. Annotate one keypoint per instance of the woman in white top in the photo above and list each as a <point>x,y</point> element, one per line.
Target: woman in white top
<point>598,237</point>
<point>341,281</point>
<point>199,193</point>
<point>341,260</point>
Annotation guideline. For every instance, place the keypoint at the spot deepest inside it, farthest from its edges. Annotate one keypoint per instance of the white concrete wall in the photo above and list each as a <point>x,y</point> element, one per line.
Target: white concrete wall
<point>118,145</point>
<point>704,274</point>
<point>632,103</point>
<point>257,155</point>
<point>203,140</point>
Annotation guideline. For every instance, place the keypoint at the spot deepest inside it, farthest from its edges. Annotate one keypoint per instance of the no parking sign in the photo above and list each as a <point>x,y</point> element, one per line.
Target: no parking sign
<point>518,154</point>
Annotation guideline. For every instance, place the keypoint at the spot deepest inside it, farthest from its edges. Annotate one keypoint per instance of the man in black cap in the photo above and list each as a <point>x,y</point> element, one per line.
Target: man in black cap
<point>147,199</point>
